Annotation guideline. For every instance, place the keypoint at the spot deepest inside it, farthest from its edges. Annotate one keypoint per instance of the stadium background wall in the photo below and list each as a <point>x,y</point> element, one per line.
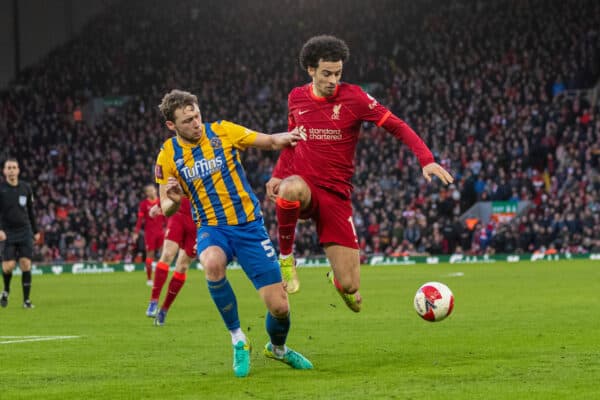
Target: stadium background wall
<point>102,267</point>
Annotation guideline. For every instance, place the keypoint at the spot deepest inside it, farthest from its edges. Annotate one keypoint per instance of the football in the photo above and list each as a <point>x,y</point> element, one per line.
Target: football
<point>434,301</point>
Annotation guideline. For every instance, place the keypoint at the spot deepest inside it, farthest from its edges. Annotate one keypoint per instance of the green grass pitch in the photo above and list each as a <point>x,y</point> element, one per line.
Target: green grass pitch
<point>518,331</point>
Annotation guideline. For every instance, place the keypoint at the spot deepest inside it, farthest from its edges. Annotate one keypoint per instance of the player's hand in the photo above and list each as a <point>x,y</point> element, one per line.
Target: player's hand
<point>174,191</point>
<point>272,187</point>
<point>281,140</point>
<point>155,211</point>
<point>36,238</point>
<point>2,235</point>
<point>134,237</point>
<point>298,135</point>
<point>437,170</point>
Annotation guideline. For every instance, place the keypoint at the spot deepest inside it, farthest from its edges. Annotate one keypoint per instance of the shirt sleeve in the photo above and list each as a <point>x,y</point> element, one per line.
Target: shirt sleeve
<point>369,109</point>
<point>32,220</point>
<point>164,168</point>
<point>402,131</point>
<point>240,136</point>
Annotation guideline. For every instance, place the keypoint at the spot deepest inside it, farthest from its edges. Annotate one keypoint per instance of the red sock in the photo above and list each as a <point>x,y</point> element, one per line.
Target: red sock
<point>149,268</point>
<point>287,216</point>
<point>175,286</point>
<point>160,277</point>
<point>338,286</point>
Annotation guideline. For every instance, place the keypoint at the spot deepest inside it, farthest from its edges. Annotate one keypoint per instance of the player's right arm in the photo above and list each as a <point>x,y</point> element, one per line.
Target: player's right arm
<point>170,191</point>
<point>369,109</point>
<point>170,196</point>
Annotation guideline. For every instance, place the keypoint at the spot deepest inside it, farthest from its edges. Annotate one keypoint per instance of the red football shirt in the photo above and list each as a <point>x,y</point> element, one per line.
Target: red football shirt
<point>332,125</point>
<point>185,208</point>
<point>152,226</point>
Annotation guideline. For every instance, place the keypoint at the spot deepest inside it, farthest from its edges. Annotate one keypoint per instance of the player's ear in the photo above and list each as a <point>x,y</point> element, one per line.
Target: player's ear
<point>312,71</point>
<point>170,125</point>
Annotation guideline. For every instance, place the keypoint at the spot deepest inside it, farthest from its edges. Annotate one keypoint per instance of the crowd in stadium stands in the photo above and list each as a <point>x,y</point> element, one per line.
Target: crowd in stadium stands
<point>488,85</point>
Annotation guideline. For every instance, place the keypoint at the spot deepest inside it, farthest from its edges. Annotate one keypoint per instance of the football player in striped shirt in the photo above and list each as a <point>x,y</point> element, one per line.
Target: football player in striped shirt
<point>202,162</point>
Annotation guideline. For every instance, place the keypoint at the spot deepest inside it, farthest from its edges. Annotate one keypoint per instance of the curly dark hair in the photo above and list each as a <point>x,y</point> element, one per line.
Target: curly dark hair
<point>323,47</point>
<point>173,100</point>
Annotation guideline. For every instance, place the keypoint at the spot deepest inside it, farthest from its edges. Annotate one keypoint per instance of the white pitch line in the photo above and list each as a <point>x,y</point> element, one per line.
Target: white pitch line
<point>23,339</point>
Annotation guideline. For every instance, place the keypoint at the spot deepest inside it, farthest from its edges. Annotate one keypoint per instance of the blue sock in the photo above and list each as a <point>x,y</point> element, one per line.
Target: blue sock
<point>277,328</point>
<point>224,298</point>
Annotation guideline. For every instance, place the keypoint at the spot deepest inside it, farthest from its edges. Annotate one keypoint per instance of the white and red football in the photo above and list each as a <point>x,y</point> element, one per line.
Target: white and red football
<point>434,301</point>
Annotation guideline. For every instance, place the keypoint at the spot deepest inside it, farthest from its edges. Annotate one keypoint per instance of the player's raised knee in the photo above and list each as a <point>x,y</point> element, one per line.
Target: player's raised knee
<point>293,188</point>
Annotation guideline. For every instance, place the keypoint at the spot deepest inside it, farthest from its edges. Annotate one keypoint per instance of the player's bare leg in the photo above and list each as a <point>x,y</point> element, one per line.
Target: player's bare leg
<point>293,196</point>
<point>345,274</point>
<point>278,325</point>
<point>7,269</point>
<point>181,267</point>
<point>214,262</point>
<point>161,273</point>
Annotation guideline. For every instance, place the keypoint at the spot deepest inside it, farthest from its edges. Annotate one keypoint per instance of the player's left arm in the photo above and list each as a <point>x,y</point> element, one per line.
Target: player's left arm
<point>242,137</point>
<point>31,214</point>
<point>371,110</point>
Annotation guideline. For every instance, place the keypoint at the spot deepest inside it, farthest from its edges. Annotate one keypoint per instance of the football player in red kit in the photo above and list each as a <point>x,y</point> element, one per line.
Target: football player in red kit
<point>313,179</point>
<point>154,228</point>
<point>180,237</point>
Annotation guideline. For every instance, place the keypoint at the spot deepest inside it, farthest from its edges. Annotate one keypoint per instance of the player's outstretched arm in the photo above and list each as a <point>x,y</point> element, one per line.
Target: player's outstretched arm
<point>278,141</point>
<point>437,170</point>
<point>170,196</point>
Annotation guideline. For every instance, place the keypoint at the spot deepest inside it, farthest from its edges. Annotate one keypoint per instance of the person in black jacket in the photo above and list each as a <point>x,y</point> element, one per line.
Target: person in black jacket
<point>18,229</point>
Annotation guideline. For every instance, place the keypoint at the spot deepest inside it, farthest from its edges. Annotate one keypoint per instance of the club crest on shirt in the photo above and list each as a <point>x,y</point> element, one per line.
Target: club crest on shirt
<point>216,143</point>
<point>336,111</point>
<point>22,201</point>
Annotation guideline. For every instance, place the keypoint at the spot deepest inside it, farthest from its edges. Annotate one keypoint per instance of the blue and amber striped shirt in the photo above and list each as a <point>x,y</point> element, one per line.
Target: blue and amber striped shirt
<point>211,174</point>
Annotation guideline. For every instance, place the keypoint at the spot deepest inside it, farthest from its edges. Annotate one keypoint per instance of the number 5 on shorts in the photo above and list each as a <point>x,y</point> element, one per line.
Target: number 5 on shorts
<point>268,246</point>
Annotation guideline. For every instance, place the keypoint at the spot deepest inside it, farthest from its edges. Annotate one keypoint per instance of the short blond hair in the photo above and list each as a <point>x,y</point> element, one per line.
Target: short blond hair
<point>174,100</point>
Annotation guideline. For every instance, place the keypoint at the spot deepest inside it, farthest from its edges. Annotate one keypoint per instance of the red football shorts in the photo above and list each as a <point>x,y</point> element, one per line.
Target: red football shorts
<point>332,214</point>
<point>182,230</point>
<point>154,240</point>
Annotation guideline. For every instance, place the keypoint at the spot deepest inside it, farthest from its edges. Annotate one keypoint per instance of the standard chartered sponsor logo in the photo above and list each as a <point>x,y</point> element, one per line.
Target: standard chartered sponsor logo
<point>324,134</point>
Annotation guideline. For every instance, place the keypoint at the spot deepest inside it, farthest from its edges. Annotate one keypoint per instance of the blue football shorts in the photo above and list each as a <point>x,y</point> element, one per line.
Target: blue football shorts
<point>250,244</point>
